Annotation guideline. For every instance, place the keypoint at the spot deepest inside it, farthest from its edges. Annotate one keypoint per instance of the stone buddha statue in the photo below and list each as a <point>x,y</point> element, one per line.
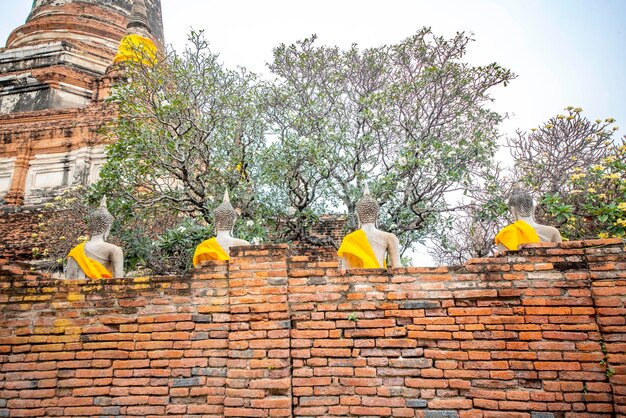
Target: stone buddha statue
<point>217,248</point>
<point>367,246</point>
<point>96,258</point>
<point>525,229</point>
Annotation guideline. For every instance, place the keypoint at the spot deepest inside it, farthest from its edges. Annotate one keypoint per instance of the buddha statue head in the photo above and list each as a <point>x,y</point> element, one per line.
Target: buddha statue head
<point>367,208</point>
<point>225,215</point>
<point>100,220</point>
<point>521,203</point>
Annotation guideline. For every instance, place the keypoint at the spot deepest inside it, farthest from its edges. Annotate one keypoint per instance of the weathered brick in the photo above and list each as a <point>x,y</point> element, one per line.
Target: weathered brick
<point>475,341</point>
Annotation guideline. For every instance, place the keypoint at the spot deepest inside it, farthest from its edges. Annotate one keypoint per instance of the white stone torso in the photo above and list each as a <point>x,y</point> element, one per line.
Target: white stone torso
<point>109,255</point>
<point>382,243</point>
<point>546,233</point>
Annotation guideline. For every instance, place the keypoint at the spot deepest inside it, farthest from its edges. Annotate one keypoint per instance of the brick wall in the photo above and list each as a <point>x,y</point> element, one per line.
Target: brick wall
<point>16,232</point>
<point>276,331</point>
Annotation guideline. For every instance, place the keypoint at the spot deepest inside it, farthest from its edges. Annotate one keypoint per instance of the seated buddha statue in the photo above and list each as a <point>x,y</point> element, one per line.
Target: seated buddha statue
<point>96,258</point>
<point>368,246</point>
<point>525,229</point>
<point>217,248</point>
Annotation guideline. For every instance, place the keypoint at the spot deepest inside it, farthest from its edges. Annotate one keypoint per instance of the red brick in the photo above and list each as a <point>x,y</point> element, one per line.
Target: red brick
<point>427,383</point>
<point>450,403</point>
<point>83,410</point>
<point>369,410</point>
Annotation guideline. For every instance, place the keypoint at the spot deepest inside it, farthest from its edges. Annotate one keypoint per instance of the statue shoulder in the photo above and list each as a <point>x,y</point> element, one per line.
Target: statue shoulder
<point>113,249</point>
<point>240,242</point>
<point>391,238</point>
<point>555,234</point>
<point>551,232</point>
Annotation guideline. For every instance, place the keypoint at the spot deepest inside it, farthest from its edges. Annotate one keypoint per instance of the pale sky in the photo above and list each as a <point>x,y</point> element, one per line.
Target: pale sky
<point>565,52</point>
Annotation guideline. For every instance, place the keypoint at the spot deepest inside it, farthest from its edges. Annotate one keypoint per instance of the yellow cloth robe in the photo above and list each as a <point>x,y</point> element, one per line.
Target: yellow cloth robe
<point>209,250</point>
<point>136,48</point>
<point>515,234</point>
<point>357,251</point>
<point>92,268</point>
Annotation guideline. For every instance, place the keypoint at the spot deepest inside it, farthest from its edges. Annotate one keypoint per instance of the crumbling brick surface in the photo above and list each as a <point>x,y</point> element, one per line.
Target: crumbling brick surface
<point>19,233</point>
<point>278,331</point>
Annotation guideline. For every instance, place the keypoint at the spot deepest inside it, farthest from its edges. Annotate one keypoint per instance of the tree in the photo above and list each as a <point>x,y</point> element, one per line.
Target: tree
<point>546,156</point>
<point>188,129</point>
<point>409,118</point>
<point>470,233</point>
<point>62,225</point>
<point>573,168</point>
<point>592,201</point>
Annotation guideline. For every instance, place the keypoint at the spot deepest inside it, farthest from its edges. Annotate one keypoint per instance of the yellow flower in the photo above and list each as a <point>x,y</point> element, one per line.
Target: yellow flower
<point>578,109</point>
<point>570,117</point>
<point>609,159</point>
<point>622,206</point>
<point>549,126</point>
<point>612,176</point>
<point>591,190</point>
<point>603,235</point>
<point>609,120</point>
<point>560,116</point>
<point>620,222</point>
<point>598,120</point>
<point>601,196</point>
<point>59,261</point>
<point>597,167</point>
<point>577,176</point>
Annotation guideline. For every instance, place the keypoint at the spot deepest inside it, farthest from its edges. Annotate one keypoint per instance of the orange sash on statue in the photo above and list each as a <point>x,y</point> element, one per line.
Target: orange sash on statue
<point>209,250</point>
<point>357,251</point>
<point>136,48</point>
<point>92,268</point>
<point>515,234</point>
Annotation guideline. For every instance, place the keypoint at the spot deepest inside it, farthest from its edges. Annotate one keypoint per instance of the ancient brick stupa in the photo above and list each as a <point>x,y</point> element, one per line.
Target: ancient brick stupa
<point>52,85</point>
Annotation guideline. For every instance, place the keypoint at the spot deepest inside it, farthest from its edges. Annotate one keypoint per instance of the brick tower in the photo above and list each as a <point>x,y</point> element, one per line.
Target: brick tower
<point>52,85</point>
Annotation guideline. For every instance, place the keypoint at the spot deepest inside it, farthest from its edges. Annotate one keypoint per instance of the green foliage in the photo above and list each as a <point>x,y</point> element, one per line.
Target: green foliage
<point>575,172</point>
<point>592,203</point>
<point>411,119</point>
<point>408,118</point>
<point>188,129</point>
<point>545,157</point>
